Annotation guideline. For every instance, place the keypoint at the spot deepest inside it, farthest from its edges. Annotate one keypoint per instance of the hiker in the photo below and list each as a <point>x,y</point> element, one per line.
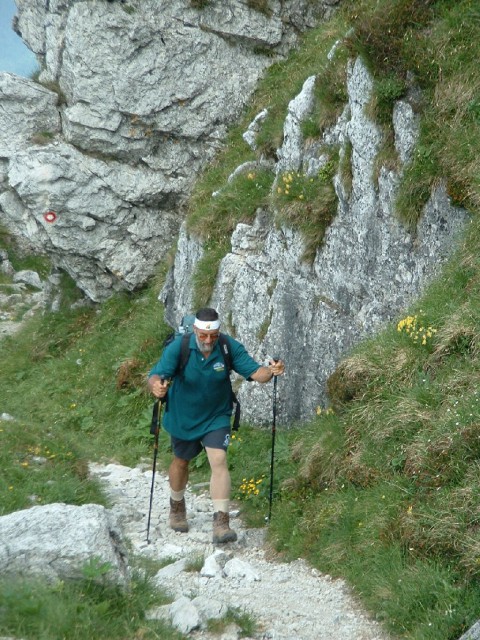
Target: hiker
<point>198,412</point>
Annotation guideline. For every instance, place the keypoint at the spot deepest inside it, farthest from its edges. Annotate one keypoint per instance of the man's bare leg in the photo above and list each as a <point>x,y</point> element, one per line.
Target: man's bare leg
<point>178,477</point>
<point>220,487</point>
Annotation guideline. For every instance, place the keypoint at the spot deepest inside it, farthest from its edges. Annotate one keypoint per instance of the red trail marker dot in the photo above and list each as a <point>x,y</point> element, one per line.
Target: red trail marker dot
<point>50,216</point>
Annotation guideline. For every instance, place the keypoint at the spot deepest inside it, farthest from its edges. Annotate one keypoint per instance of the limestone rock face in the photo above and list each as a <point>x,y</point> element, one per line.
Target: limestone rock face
<point>27,110</point>
<point>139,99</point>
<point>369,268</point>
<point>105,230</point>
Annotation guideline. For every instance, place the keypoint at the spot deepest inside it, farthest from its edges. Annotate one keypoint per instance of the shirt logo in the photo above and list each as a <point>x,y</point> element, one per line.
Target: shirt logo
<point>219,367</point>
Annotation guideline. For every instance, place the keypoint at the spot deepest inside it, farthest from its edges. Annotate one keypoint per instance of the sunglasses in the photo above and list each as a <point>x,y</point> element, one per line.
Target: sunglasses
<point>204,336</point>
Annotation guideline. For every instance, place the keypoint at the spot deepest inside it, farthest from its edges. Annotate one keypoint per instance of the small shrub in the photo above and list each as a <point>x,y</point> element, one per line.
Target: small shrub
<point>194,563</point>
<point>237,201</point>
<point>310,128</point>
<point>262,6</point>
<point>200,4</point>
<point>348,381</point>
<point>417,182</point>
<point>387,91</point>
<point>95,570</point>
<point>42,137</point>
<point>131,374</point>
<point>55,87</point>
<point>308,203</point>
<point>473,109</point>
<point>21,260</point>
<point>444,457</point>
<point>357,471</point>
<point>458,192</point>
<point>381,31</point>
<point>330,91</point>
<point>264,327</point>
<point>345,166</point>
<point>235,616</point>
<point>457,337</point>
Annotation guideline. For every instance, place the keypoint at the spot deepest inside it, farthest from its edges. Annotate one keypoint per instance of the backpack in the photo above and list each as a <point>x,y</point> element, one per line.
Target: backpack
<point>185,329</point>
<point>185,326</point>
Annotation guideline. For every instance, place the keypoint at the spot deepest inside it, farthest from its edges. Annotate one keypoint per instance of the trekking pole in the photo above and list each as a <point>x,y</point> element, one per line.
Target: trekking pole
<point>155,430</point>
<point>272,460</point>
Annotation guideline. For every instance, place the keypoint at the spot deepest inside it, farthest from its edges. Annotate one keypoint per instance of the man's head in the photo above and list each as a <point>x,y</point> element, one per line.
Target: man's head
<point>207,329</point>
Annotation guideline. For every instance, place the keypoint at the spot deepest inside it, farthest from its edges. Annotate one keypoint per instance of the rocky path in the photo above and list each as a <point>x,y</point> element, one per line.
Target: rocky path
<point>288,601</point>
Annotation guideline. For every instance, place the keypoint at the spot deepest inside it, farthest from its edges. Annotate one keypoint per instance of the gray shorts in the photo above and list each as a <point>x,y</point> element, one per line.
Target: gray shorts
<point>188,449</point>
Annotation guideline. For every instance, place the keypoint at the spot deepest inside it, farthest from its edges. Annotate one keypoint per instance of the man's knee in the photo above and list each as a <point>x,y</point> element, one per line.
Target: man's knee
<point>216,457</point>
<point>180,463</point>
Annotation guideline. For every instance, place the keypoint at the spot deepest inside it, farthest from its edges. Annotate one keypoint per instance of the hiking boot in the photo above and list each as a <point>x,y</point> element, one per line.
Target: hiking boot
<point>178,515</point>
<point>221,528</point>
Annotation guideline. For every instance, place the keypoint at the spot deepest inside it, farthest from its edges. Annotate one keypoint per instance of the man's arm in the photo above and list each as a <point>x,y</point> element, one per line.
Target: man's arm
<point>265,374</point>
<point>164,369</point>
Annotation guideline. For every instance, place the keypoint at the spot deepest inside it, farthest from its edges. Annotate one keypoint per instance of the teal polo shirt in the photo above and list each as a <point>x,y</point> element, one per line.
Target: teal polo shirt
<point>199,398</point>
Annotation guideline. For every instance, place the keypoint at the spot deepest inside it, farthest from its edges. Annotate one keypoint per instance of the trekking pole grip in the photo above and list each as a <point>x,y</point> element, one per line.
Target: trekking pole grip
<point>155,413</point>
<point>275,360</point>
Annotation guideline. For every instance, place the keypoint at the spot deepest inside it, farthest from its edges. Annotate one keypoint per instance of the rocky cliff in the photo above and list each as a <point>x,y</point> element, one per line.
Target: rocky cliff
<point>133,99</point>
<point>367,271</point>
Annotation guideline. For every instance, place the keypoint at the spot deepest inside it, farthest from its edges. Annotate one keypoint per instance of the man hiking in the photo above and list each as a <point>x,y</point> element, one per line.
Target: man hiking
<point>199,409</point>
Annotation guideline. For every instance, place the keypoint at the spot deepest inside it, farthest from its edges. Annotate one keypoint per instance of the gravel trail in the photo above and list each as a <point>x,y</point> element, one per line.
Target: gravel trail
<point>289,601</point>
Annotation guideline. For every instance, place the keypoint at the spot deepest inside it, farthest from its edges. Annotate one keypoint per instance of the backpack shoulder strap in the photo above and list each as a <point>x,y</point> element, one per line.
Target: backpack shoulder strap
<point>225,349</point>
<point>184,353</point>
<point>227,357</point>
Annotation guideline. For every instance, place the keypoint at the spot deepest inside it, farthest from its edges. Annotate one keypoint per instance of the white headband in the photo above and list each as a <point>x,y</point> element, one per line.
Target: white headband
<point>207,325</point>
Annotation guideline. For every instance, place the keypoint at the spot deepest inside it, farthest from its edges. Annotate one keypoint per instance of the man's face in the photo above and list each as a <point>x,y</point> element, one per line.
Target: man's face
<point>206,340</point>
